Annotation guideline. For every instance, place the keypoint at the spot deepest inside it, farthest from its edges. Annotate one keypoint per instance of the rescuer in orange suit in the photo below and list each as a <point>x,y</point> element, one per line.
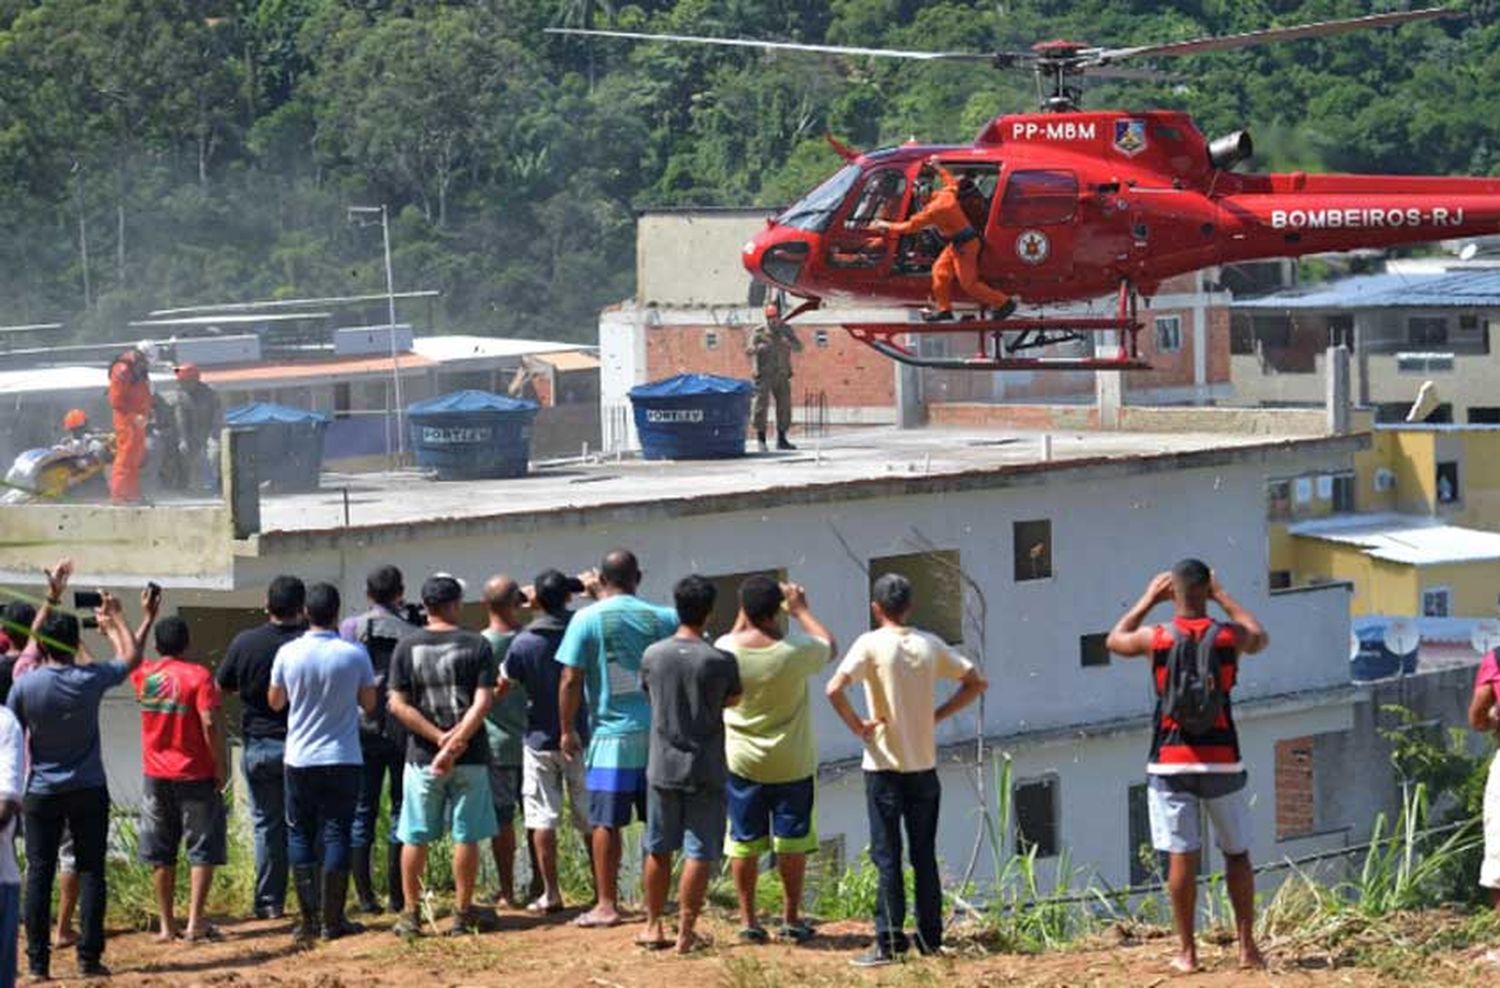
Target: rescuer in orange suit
<point>130,400</point>
<point>960,257</point>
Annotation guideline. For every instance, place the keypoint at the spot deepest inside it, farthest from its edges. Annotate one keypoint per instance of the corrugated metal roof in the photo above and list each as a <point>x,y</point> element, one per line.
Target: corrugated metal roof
<point>575,360</point>
<point>1477,288</point>
<point>40,380</point>
<point>449,349</point>
<point>304,369</point>
<point>1406,539</point>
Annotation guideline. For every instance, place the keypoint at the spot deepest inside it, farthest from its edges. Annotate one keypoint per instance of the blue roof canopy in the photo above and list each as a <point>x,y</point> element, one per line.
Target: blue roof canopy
<point>471,401</point>
<point>692,385</point>
<point>264,412</point>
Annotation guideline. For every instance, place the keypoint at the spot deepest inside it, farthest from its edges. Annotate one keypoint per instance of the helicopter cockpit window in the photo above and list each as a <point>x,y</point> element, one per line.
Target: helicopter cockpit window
<point>1039,198</point>
<point>815,211</point>
<point>879,199</point>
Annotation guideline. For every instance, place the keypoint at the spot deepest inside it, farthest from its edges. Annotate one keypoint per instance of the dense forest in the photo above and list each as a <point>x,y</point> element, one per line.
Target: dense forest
<point>171,152</point>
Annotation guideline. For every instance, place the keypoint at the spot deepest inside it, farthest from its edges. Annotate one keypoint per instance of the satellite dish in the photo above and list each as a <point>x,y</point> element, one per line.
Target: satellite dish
<point>1402,637</point>
<point>1468,251</point>
<point>1354,646</point>
<point>1485,637</point>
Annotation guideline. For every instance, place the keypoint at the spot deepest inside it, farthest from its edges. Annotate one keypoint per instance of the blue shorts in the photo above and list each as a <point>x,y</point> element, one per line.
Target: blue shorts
<point>690,822</point>
<point>615,778</point>
<point>431,803</point>
<point>766,816</point>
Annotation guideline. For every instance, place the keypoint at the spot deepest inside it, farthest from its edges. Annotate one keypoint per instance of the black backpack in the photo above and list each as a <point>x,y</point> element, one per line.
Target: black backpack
<point>379,633</point>
<point>1194,695</point>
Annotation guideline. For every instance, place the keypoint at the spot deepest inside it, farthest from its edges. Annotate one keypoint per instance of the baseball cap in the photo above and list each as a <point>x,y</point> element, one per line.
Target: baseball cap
<point>553,586</point>
<point>442,588</point>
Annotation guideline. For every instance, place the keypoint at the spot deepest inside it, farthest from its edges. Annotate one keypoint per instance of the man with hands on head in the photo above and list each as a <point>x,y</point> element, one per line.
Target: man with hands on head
<point>1196,768</point>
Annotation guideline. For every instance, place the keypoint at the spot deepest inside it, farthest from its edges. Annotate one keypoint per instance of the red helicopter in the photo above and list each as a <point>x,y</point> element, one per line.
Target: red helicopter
<point>1079,205</point>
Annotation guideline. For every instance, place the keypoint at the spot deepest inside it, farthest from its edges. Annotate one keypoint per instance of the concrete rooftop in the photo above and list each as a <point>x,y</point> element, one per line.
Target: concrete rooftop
<point>846,466</point>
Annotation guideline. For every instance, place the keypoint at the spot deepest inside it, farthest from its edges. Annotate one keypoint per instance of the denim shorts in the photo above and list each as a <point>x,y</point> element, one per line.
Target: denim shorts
<point>1174,803</point>
<point>174,812</point>
<point>690,822</point>
<point>431,803</point>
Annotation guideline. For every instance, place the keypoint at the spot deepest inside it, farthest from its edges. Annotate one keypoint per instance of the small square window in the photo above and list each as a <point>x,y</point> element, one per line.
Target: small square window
<point>1448,491</point>
<point>1278,500</point>
<point>1168,334</point>
<point>937,588</point>
<point>820,339</point>
<point>1146,864</point>
<point>1036,817</point>
<point>710,339</point>
<point>1436,602</point>
<point>1092,650</point>
<point>1033,549</point>
<point>1280,579</point>
<point>727,598</point>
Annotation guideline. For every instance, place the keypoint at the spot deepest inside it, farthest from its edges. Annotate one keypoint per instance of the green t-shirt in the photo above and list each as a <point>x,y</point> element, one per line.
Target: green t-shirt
<point>768,735</point>
<point>505,726</point>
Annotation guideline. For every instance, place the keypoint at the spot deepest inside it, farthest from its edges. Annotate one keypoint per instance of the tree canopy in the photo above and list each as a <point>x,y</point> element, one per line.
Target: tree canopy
<point>170,152</point>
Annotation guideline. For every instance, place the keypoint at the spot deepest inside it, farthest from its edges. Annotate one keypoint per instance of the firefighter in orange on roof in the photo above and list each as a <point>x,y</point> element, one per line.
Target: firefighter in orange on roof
<point>130,401</point>
<point>959,260</point>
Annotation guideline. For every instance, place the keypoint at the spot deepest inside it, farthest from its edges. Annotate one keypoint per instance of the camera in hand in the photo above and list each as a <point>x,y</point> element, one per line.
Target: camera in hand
<point>414,614</point>
<point>87,600</point>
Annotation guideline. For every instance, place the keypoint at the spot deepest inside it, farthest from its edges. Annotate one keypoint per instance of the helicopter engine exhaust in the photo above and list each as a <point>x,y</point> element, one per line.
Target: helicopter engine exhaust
<point>1227,151</point>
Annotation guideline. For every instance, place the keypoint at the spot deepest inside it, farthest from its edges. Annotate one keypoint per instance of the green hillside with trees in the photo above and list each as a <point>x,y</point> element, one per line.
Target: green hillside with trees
<point>171,152</point>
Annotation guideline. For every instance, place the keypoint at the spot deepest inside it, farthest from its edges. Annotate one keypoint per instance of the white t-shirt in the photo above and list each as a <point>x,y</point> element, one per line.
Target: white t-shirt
<point>900,669</point>
<point>12,787</point>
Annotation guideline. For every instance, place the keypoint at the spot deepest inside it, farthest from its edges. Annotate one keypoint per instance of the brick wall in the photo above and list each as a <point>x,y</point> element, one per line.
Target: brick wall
<point>1295,815</point>
<point>850,373</point>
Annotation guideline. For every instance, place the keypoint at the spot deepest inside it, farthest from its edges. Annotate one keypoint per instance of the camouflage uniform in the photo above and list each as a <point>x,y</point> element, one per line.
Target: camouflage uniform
<point>195,409</point>
<point>771,347</point>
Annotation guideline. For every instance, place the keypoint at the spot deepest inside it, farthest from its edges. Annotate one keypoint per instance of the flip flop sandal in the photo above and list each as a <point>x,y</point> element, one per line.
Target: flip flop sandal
<point>799,932</point>
<point>754,934</point>
<point>662,944</point>
<point>585,922</point>
<point>209,934</point>
<point>700,942</point>
<point>540,908</point>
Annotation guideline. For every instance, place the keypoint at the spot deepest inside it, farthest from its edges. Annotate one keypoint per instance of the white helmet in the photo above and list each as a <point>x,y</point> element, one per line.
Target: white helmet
<point>149,350</point>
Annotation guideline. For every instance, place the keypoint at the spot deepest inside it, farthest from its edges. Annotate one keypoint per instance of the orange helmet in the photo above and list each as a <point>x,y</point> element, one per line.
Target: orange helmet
<point>76,418</point>
<point>773,311</point>
<point>188,373</point>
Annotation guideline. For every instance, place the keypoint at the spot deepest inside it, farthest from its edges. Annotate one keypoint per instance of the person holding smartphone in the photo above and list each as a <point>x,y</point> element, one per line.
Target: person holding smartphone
<point>58,706</point>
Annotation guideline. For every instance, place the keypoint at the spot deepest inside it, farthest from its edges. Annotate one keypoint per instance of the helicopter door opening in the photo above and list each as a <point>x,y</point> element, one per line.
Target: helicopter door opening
<point>916,253</point>
<point>1038,224</point>
<point>851,242</point>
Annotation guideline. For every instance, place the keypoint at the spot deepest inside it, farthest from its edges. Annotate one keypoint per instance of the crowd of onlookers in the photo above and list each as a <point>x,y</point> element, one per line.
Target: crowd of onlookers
<point>578,704</point>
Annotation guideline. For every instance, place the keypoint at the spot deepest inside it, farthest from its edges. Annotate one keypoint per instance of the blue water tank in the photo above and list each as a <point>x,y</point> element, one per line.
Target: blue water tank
<point>472,435</point>
<point>692,417</point>
<point>288,446</point>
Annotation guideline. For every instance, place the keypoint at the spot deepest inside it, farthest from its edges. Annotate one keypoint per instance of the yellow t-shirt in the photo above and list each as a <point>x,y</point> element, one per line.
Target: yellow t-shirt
<point>900,668</point>
<point>768,735</point>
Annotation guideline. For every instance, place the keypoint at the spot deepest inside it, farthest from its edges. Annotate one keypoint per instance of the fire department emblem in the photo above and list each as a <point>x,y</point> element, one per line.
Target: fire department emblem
<point>1130,137</point>
<point>1032,246</point>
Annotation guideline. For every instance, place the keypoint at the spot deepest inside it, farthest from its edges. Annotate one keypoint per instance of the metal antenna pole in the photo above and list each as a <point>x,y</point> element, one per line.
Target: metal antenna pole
<point>390,293</point>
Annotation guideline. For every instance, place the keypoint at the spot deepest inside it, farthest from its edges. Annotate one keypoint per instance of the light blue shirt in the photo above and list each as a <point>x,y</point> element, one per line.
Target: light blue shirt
<point>606,641</point>
<point>322,675</point>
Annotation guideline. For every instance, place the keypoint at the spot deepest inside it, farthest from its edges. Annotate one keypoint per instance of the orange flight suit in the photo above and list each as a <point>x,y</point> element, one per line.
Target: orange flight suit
<point>958,262</point>
<point>130,400</point>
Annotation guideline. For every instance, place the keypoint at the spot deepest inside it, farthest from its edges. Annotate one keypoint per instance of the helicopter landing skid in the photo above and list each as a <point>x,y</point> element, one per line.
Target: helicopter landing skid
<point>998,341</point>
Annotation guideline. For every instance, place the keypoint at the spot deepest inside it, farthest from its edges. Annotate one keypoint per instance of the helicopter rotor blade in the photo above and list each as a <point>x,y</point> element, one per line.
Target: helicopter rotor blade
<point>1105,56</point>
<point>924,56</point>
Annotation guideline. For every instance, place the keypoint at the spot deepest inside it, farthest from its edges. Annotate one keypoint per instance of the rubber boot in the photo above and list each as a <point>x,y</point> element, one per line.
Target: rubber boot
<point>307,878</point>
<point>760,440</point>
<point>335,893</point>
<point>782,443</point>
<point>396,897</point>
<point>364,883</point>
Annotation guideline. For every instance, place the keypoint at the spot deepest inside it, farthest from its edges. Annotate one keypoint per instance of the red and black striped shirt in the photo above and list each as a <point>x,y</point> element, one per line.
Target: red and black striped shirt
<point>1218,749</point>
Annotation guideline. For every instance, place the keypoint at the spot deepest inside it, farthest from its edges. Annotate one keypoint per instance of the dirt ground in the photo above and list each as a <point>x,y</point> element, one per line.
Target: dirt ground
<point>528,953</point>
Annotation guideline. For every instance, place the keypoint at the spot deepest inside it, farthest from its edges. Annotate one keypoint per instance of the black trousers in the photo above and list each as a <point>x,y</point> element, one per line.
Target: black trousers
<point>86,813</point>
<point>909,800</point>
